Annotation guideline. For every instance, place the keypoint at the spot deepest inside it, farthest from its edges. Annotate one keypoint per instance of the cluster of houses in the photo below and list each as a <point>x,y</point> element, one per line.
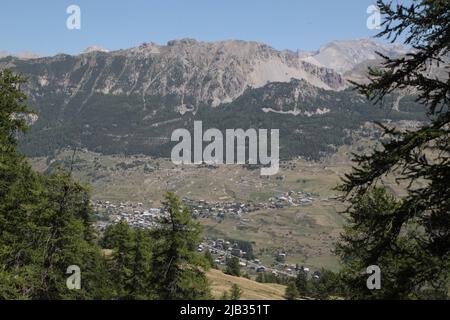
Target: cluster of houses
<point>142,219</point>
<point>137,216</point>
<point>202,208</point>
<point>290,198</point>
<point>221,245</point>
<point>222,250</point>
<point>132,213</point>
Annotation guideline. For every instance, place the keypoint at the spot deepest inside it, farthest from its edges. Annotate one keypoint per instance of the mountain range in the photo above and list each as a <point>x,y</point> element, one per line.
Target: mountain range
<point>20,55</point>
<point>128,101</point>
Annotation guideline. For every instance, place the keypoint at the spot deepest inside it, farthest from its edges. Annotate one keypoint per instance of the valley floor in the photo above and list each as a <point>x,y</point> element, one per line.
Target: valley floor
<point>306,232</point>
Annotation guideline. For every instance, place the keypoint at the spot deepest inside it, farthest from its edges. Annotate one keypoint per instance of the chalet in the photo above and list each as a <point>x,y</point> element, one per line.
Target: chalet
<point>261,269</point>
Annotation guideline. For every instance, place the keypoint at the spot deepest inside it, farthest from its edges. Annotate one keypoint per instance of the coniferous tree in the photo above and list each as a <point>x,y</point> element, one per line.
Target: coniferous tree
<point>15,176</point>
<point>178,271</point>
<point>210,259</point>
<point>140,286</point>
<point>235,292</point>
<point>44,221</point>
<point>301,282</point>
<point>408,238</point>
<point>325,286</point>
<point>233,267</point>
<point>122,260</point>
<point>291,292</point>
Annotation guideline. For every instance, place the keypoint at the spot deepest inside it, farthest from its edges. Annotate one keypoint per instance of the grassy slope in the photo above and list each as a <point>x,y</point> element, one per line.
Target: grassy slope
<point>251,290</point>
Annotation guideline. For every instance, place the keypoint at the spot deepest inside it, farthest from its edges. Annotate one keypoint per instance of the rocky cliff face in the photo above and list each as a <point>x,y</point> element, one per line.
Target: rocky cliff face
<point>190,72</point>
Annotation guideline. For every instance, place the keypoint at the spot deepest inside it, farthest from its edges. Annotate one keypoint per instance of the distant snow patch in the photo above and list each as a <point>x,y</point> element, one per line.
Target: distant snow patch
<point>296,112</point>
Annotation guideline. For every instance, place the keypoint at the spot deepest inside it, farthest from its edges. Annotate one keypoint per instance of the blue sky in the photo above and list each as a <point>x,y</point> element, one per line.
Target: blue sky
<point>40,26</point>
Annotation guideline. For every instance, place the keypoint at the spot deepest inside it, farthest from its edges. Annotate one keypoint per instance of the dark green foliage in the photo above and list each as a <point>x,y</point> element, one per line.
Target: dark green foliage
<point>326,286</point>
<point>44,221</point>
<point>323,284</point>
<point>409,237</point>
<point>45,227</point>
<point>140,286</point>
<point>121,239</point>
<point>301,282</point>
<point>268,277</point>
<point>209,257</point>
<point>160,263</point>
<point>177,269</point>
<point>65,231</point>
<point>115,234</point>
<point>235,293</point>
<point>245,246</point>
<point>291,292</point>
<point>130,262</point>
<point>13,111</point>
<point>233,267</point>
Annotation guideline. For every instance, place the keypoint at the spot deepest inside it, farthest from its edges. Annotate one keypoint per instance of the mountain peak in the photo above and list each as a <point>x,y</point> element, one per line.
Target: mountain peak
<point>94,48</point>
<point>344,55</point>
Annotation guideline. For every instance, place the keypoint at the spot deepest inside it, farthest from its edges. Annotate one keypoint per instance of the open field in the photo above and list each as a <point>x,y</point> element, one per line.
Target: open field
<point>251,290</point>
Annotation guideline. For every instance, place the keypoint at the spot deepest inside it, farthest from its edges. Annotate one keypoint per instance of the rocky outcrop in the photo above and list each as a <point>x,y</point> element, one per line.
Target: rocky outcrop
<point>189,72</point>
